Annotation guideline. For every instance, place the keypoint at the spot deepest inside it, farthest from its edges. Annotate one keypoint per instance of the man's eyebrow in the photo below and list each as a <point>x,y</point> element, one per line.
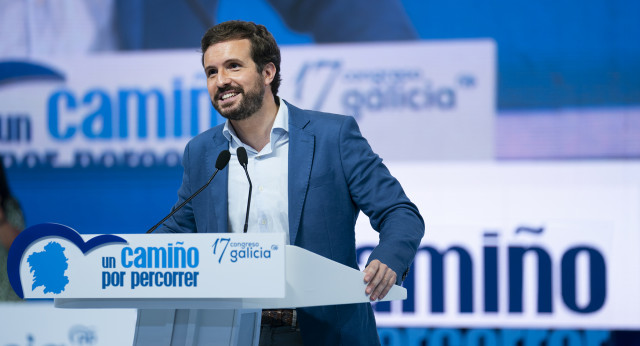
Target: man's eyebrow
<point>233,60</point>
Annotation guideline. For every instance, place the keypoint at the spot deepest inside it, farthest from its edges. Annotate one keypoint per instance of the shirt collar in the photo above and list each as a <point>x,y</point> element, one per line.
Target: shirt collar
<point>282,118</point>
<point>280,128</point>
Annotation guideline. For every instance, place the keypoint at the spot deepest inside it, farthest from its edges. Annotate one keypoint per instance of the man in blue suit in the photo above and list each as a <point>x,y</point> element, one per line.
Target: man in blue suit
<point>312,174</point>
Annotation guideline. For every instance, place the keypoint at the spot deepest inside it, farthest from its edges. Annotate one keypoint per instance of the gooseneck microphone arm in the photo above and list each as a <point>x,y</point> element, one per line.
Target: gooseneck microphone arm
<point>221,163</point>
<point>244,160</point>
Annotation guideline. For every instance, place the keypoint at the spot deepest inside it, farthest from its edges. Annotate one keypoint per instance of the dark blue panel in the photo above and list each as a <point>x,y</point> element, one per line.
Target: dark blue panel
<point>96,200</point>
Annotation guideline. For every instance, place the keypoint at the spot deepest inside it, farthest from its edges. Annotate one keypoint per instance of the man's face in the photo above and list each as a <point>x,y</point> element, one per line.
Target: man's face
<point>235,86</point>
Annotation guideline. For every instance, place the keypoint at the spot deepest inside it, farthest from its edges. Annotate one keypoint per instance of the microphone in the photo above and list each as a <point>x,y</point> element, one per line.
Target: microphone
<point>242,158</point>
<point>221,163</point>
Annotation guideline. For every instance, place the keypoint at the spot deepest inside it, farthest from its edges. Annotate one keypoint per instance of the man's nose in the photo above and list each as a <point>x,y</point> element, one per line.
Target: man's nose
<point>222,79</point>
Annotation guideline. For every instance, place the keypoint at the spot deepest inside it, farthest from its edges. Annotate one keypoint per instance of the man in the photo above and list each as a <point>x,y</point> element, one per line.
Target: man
<point>312,174</point>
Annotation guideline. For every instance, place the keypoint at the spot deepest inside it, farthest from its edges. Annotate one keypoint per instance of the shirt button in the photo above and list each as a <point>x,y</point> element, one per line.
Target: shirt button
<point>263,222</point>
<point>261,188</point>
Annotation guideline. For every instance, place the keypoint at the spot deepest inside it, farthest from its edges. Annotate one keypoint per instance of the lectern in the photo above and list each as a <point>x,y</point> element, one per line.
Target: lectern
<point>189,289</point>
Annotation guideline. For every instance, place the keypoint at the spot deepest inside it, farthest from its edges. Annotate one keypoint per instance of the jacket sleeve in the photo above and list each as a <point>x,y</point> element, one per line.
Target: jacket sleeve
<point>381,197</point>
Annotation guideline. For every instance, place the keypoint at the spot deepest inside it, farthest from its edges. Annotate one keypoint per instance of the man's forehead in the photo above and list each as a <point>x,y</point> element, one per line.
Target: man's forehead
<point>231,49</point>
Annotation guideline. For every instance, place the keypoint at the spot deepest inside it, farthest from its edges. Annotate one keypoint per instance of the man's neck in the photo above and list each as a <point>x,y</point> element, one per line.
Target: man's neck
<point>255,131</point>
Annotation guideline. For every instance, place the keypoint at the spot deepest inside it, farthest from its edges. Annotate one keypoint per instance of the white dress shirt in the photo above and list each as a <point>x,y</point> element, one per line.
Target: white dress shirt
<point>268,170</point>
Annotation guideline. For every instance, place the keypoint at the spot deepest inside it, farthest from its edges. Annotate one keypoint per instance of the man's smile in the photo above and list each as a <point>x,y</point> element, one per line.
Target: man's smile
<point>228,96</point>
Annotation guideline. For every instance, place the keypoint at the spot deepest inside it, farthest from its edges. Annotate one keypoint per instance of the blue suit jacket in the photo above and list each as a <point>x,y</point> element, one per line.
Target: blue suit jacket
<point>333,174</point>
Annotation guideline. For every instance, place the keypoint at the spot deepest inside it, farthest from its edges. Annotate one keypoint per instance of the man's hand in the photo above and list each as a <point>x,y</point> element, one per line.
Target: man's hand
<point>379,278</point>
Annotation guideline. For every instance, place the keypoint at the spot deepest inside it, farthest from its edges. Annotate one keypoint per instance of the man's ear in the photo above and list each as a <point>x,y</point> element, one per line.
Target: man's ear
<point>268,73</point>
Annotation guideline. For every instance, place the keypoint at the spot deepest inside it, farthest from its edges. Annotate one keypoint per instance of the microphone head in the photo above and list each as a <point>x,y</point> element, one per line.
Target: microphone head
<point>242,156</point>
<point>223,159</point>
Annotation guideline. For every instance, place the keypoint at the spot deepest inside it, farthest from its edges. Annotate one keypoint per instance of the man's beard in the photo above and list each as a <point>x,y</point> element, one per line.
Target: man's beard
<point>251,102</point>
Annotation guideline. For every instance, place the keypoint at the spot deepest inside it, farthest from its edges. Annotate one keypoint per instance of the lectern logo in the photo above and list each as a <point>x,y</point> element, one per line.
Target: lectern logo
<point>241,251</point>
<point>48,268</point>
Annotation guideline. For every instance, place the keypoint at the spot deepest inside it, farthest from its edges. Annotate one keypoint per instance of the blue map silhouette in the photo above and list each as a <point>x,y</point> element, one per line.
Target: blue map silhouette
<point>48,268</point>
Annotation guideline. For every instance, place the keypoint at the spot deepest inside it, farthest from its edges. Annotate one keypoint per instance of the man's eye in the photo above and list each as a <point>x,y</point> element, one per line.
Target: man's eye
<point>211,73</point>
<point>234,66</point>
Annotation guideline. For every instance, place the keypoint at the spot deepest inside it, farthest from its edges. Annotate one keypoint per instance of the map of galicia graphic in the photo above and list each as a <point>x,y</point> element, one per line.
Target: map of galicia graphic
<point>48,268</point>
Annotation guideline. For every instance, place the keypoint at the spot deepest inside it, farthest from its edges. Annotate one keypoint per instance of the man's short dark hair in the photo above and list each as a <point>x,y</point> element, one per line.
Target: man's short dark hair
<point>264,48</point>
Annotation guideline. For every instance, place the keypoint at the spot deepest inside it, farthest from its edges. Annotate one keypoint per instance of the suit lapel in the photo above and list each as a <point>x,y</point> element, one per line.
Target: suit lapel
<point>219,191</point>
<point>301,149</point>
